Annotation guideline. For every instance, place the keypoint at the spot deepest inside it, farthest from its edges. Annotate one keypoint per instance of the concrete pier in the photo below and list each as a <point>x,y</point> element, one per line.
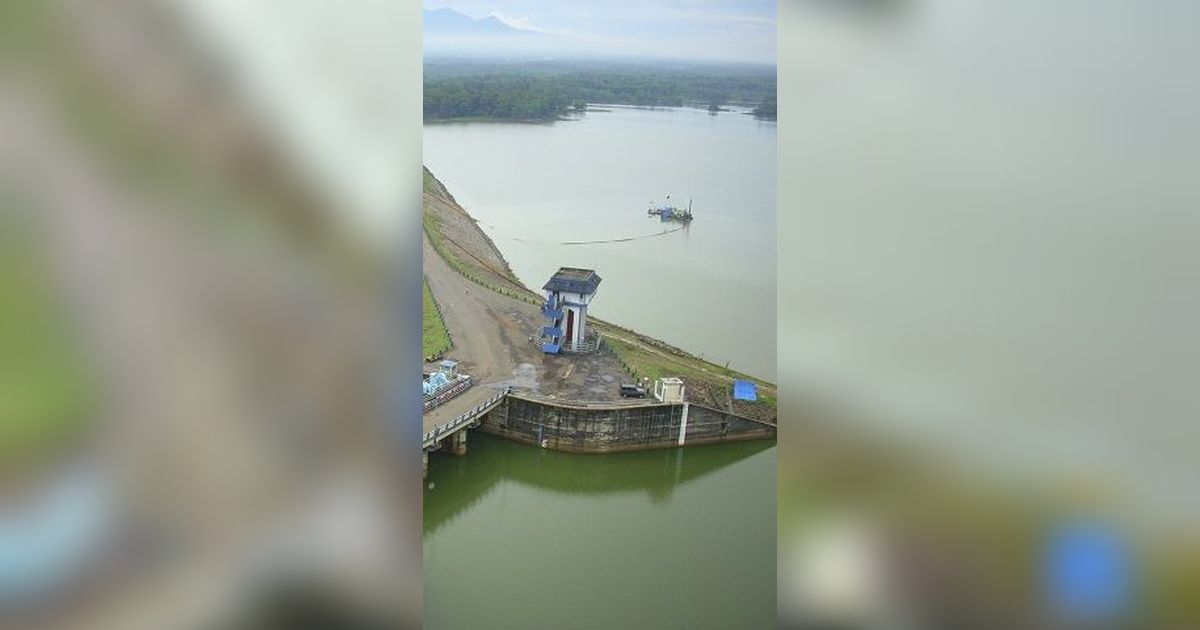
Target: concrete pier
<point>457,443</point>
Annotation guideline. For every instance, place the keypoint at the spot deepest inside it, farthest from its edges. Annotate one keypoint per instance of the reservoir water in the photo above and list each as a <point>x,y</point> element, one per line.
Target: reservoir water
<point>520,537</point>
<point>708,288</point>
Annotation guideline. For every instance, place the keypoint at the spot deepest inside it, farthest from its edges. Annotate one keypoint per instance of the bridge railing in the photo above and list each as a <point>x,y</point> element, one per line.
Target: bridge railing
<point>435,434</point>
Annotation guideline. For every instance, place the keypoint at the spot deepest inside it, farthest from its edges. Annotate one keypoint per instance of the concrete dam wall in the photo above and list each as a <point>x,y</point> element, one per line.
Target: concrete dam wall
<point>610,428</point>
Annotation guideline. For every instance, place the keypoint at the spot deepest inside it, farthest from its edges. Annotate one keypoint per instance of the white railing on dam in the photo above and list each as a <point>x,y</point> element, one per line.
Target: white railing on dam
<point>620,403</point>
<point>434,435</point>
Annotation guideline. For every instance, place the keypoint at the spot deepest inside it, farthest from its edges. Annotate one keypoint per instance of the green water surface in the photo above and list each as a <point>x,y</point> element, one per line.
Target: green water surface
<point>521,537</point>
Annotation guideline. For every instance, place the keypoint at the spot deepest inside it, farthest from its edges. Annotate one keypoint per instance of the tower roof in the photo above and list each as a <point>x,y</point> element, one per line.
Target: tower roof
<point>573,280</point>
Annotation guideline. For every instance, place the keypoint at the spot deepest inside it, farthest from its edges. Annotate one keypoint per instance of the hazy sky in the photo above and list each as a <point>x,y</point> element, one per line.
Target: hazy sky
<point>697,29</point>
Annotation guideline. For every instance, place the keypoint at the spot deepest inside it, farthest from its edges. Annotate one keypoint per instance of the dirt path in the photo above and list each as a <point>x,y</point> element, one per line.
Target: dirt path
<point>491,334</point>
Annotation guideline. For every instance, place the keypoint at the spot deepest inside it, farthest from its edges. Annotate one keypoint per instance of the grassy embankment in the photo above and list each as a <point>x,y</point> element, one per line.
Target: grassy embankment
<point>641,356</point>
<point>159,157</point>
<point>645,357</point>
<point>435,339</point>
<point>45,392</point>
<point>460,258</point>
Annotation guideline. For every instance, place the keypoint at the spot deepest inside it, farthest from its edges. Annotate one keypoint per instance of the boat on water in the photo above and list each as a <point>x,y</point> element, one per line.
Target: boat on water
<point>668,212</point>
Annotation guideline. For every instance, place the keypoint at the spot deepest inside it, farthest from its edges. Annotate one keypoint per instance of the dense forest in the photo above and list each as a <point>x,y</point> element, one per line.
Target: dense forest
<point>549,91</point>
<point>767,108</point>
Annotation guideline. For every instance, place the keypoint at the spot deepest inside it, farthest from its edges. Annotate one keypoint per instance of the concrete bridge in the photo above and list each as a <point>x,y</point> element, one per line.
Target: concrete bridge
<point>455,429</point>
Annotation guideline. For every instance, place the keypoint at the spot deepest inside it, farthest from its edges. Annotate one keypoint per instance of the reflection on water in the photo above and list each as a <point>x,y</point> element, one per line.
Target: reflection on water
<point>536,538</point>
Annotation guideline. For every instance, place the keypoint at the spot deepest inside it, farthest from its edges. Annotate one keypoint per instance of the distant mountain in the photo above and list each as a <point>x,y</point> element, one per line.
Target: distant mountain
<point>447,21</point>
<point>448,33</point>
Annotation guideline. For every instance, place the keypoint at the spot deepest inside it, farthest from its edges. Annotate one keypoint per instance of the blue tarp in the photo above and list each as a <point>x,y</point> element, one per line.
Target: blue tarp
<point>54,539</point>
<point>550,348</point>
<point>552,331</point>
<point>1086,572</point>
<point>552,313</point>
<point>744,390</point>
<point>436,381</point>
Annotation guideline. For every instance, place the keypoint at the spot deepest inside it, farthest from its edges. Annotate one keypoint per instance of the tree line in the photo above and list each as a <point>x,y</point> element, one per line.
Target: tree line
<point>550,95</point>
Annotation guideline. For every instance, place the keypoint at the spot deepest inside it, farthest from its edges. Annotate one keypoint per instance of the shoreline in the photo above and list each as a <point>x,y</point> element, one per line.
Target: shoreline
<point>729,108</point>
<point>642,356</point>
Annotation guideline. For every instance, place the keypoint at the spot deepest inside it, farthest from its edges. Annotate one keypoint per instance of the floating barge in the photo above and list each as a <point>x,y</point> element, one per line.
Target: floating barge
<point>667,212</point>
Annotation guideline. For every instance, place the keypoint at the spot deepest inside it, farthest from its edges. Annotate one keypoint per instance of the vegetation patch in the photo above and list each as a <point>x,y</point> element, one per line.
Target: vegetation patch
<point>498,278</point>
<point>44,390</point>
<point>707,383</point>
<point>435,339</point>
<point>549,91</point>
<point>275,207</point>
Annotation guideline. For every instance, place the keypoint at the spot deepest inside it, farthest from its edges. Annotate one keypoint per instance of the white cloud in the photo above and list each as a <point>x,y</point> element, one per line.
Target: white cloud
<point>523,23</point>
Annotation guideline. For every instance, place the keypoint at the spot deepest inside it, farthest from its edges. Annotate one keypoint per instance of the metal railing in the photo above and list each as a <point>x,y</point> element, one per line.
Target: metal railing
<point>620,403</point>
<point>587,346</point>
<point>434,435</point>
